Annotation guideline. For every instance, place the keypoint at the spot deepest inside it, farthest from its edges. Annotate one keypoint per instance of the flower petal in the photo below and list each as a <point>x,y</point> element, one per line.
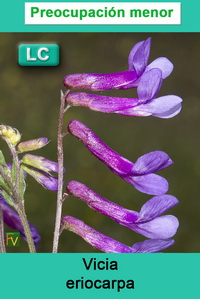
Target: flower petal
<point>120,80</point>
<point>170,113</point>
<point>43,178</point>
<point>151,162</point>
<point>40,163</point>
<point>135,111</point>
<point>139,56</point>
<point>101,82</point>
<point>163,64</point>
<point>101,204</point>
<point>93,237</point>
<point>162,227</point>
<point>152,245</point>
<point>166,104</point>
<point>150,183</point>
<point>162,107</point>
<point>149,85</point>
<point>156,206</point>
<point>132,54</point>
<point>100,103</point>
<point>99,149</point>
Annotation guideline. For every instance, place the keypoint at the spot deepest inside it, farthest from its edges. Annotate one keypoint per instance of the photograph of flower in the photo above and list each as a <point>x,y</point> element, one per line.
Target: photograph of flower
<point>101,153</point>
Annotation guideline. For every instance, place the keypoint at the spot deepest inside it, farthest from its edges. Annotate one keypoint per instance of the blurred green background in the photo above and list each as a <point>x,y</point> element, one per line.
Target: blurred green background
<point>29,101</point>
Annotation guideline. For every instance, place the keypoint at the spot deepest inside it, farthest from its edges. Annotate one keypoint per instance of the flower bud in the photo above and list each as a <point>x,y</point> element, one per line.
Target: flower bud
<point>11,134</point>
<point>32,145</point>
<point>43,178</point>
<point>40,163</point>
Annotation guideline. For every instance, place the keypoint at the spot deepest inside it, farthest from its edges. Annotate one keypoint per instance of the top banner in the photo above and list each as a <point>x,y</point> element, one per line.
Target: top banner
<point>92,13</point>
<point>99,16</point>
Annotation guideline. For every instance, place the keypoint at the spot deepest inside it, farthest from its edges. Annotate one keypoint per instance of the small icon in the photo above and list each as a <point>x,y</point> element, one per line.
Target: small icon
<point>38,55</point>
<point>13,239</point>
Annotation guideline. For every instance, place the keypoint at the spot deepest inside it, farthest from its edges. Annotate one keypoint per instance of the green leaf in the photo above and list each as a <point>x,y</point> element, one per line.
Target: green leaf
<point>2,159</point>
<point>4,186</point>
<point>7,197</point>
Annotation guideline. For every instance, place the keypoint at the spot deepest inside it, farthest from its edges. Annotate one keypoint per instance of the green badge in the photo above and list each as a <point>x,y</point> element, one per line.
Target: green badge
<point>38,55</point>
<point>12,239</point>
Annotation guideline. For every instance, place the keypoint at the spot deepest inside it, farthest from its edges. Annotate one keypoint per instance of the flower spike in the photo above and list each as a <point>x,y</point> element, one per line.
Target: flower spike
<point>140,174</point>
<point>137,62</point>
<point>147,222</point>
<point>109,245</point>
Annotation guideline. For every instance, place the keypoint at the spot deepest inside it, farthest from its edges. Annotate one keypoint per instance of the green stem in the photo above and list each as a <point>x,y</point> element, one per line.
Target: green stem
<point>60,172</point>
<point>22,214</point>
<point>17,164</point>
<point>2,244</point>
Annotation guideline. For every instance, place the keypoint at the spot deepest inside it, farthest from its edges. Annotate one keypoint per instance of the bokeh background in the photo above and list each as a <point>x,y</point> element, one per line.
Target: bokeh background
<point>29,101</point>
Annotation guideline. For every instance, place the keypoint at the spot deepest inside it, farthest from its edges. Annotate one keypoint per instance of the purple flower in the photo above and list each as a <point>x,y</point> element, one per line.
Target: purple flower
<point>43,178</point>
<point>137,62</point>
<point>145,105</point>
<point>109,245</point>
<point>39,168</point>
<point>12,219</point>
<point>147,222</point>
<point>140,174</point>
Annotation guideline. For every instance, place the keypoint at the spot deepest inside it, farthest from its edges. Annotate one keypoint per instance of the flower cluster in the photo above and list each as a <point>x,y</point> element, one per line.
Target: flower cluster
<point>38,167</point>
<point>149,221</point>
<point>137,62</point>
<point>147,79</point>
